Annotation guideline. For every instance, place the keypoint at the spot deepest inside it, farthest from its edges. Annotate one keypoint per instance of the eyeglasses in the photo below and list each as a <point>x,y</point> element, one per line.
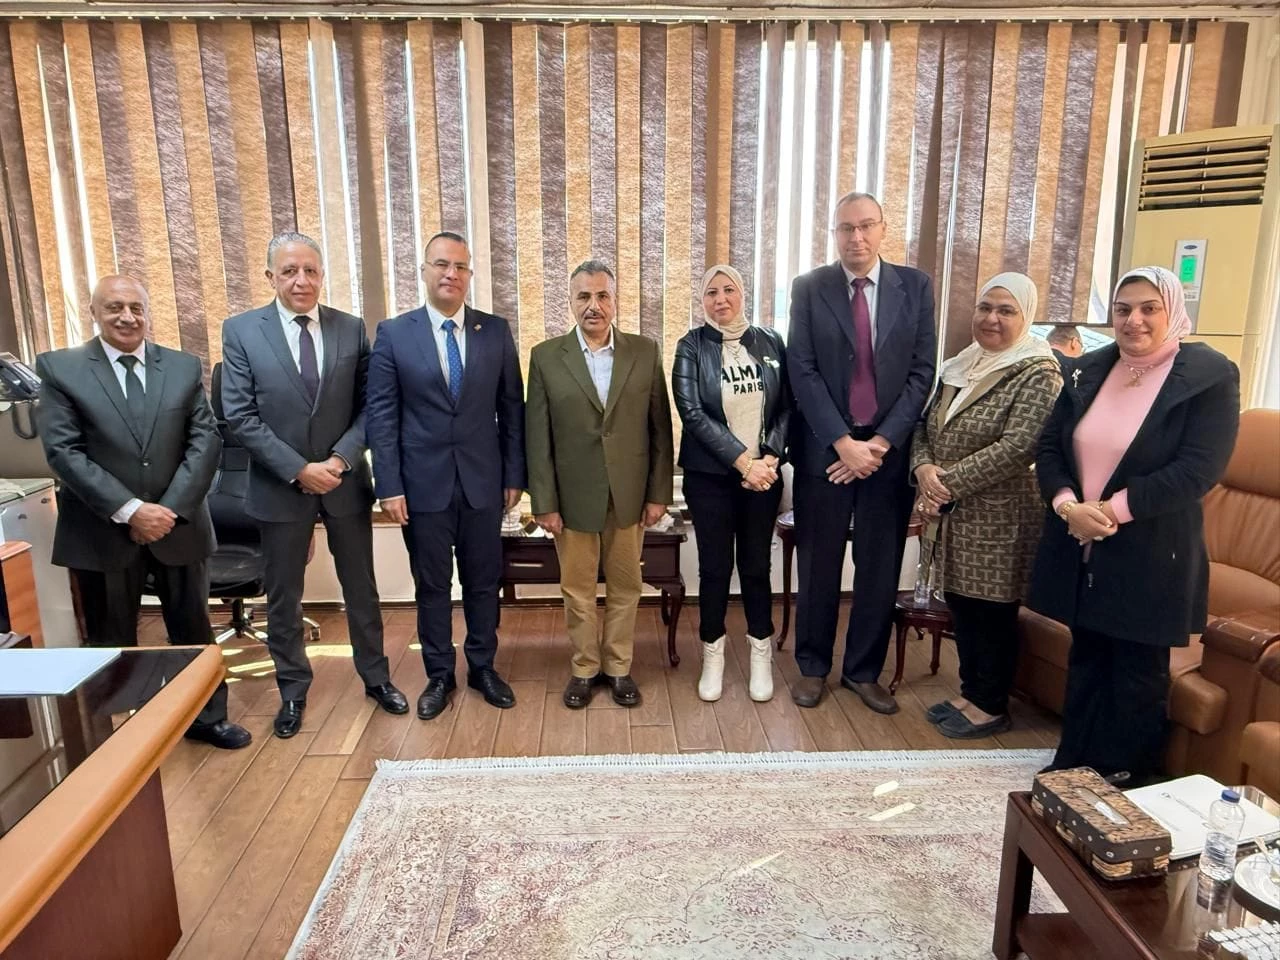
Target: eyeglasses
<point>443,266</point>
<point>1004,311</point>
<point>846,230</point>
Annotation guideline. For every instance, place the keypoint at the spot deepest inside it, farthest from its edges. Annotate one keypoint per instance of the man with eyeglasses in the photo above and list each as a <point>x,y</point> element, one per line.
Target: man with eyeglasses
<point>446,427</point>
<point>1065,340</point>
<point>860,357</point>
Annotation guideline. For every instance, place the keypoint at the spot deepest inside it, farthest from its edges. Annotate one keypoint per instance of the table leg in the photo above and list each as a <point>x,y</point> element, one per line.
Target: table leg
<point>677,601</point>
<point>937,650</point>
<point>788,548</point>
<point>902,657</point>
<point>1014,896</point>
<point>665,607</point>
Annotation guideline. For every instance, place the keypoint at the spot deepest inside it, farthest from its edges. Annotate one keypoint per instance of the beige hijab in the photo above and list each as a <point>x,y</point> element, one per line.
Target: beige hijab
<point>736,327</point>
<point>972,365</point>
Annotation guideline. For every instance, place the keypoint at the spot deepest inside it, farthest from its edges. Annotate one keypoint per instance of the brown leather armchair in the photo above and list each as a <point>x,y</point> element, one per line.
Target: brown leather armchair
<point>1260,741</point>
<point>1214,683</point>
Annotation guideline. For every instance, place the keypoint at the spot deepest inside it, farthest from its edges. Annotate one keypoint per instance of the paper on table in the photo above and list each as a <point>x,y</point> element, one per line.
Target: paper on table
<point>43,673</point>
<point>1182,805</point>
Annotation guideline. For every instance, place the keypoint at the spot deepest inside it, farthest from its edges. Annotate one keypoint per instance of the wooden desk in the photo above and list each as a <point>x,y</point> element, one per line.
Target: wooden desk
<point>533,560</point>
<point>87,872</point>
<point>1154,918</point>
<point>19,579</point>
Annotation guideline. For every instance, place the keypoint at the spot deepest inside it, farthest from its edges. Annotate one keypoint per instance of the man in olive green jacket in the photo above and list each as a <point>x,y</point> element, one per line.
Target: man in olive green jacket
<point>600,458</point>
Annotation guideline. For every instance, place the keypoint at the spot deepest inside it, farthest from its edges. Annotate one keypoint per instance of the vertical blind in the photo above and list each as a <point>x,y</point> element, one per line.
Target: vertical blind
<point>174,150</point>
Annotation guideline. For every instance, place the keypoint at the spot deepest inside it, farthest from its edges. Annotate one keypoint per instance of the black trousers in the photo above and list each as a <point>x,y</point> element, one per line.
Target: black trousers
<point>475,536</point>
<point>284,554</point>
<point>1114,716</point>
<point>987,644</point>
<point>880,506</point>
<point>110,600</point>
<point>726,515</point>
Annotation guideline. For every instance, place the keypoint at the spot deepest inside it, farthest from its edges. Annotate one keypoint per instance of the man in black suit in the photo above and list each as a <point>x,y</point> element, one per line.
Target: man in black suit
<point>446,427</point>
<point>861,353</point>
<point>293,389</point>
<point>127,429</point>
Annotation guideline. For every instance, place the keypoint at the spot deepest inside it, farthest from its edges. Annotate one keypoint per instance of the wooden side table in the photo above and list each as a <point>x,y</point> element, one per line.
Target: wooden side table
<point>533,560</point>
<point>786,531</point>
<point>934,619</point>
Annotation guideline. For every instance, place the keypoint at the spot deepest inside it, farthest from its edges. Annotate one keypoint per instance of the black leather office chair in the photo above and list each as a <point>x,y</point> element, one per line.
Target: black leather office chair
<point>235,569</point>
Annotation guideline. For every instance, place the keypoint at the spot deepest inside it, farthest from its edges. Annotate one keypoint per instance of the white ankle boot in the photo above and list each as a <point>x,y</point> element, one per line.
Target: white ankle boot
<point>760,686</point>
<point>712,680</point>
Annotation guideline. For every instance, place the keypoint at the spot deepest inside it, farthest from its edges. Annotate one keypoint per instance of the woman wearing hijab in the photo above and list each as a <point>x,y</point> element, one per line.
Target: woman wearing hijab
<point>730,385</point>
<point>1142,431</point>
<point>971,460</point>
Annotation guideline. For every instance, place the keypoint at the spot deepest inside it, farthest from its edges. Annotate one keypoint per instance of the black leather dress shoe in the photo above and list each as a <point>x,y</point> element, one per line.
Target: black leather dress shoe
<point>435,698</point>
<point>624,690</point>
<point>496,691</point>
<point>578,692</point>
<point>224,734</point>
<point>289,718</point>
<point>389,698</point>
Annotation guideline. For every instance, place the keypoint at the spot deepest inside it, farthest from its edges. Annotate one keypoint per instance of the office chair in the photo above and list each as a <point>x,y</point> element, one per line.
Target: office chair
<point>235,569</point>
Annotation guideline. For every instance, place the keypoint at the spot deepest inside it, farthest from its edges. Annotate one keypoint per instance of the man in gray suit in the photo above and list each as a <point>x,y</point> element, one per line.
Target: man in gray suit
<point>293,393</point>
<point>127,429</point>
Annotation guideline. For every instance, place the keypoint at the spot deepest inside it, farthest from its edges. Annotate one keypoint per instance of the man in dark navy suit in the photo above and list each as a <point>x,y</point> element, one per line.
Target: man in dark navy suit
<point>445,421</point>
<point>861,352</point>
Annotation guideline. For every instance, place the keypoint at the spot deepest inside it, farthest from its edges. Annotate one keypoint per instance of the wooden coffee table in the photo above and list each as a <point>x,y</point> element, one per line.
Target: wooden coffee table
<point>1158,918</point>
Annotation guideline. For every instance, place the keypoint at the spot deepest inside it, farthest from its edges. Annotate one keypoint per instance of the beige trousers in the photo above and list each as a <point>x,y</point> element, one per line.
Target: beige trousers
<point>582,555</point>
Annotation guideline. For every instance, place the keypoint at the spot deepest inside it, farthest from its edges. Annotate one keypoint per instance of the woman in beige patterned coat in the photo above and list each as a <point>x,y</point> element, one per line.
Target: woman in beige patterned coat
<point>971,460</point>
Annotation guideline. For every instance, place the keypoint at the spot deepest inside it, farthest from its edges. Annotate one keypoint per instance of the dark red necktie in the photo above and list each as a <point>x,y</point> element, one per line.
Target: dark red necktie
<point>862,385</point>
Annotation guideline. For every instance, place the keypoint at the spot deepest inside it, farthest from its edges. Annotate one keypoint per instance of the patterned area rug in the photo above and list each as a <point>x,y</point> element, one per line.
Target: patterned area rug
<point>695,857</point>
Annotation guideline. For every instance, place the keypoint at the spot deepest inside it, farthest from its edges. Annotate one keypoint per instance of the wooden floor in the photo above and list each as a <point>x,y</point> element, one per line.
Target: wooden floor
<point>252,831</point>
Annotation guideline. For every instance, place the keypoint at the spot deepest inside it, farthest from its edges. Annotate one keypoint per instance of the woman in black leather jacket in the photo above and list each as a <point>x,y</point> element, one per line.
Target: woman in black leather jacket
<point>730,385</point>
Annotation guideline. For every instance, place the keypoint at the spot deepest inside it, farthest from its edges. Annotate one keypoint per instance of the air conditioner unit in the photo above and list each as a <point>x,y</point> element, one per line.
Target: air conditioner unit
<point>1207,206</point>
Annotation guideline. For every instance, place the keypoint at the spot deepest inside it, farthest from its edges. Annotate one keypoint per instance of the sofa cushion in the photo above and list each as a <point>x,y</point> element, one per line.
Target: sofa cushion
<point>1185,659</point>
<point>1197,704</point>
<point>1044,638</point>
<point>1259,747</point>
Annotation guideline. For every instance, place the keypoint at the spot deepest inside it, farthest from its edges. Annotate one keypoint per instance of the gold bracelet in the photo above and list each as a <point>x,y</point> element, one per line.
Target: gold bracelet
<point>1065,507</point>
<point>747,472</point>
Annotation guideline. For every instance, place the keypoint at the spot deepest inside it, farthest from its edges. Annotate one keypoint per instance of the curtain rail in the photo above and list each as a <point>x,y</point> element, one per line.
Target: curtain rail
<point>561,13</point>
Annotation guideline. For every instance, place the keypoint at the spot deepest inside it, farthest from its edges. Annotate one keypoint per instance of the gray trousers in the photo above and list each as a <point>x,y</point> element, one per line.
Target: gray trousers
<point>284,553</point>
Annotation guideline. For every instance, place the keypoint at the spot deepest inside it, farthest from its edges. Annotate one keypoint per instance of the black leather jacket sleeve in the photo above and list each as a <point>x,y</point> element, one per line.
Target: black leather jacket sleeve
<point>687,384</point>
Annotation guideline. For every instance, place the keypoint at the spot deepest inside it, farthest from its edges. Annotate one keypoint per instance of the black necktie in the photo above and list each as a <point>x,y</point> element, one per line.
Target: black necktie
<point>134,396</point>
<point>307,358</point>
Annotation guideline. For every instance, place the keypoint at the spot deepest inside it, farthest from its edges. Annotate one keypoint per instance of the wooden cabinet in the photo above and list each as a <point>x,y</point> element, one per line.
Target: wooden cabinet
<point>533,560</point>
<point>19,581</point>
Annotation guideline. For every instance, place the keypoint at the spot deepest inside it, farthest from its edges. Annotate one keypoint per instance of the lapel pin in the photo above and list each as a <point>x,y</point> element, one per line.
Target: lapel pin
<point>1075,379</point>
<point>476,327</point>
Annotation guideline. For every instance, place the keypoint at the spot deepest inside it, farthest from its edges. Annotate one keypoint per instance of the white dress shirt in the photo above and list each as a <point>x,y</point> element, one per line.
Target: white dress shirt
<point>439,332</point>
<point>126,512</point>
<point>871,292</point>
<point>293,335</point>
<point>599,364</point>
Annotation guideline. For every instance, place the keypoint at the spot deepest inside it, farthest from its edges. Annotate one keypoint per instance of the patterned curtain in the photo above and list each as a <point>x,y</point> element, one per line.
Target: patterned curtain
<point>173,150</point>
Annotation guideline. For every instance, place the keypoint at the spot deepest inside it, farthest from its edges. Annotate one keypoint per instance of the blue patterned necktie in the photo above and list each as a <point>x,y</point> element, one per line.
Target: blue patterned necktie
<point>455,360</point>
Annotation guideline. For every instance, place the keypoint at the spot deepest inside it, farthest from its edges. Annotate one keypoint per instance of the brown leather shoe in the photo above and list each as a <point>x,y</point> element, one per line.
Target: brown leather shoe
<point>624,690</point>
<point>873,695</point>
<point>578,693</point>
<point>807,691</point>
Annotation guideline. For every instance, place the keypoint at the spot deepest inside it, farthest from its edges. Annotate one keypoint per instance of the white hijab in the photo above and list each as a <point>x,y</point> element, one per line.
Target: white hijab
<point>973,364</point>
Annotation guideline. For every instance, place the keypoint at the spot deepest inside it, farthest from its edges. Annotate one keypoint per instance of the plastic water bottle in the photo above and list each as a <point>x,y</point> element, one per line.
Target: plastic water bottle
<point>920,595</point>
<point>1218,860</point>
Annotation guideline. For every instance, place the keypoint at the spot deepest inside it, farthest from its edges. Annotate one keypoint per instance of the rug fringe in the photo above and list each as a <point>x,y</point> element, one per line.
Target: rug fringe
<point>796,760</point>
